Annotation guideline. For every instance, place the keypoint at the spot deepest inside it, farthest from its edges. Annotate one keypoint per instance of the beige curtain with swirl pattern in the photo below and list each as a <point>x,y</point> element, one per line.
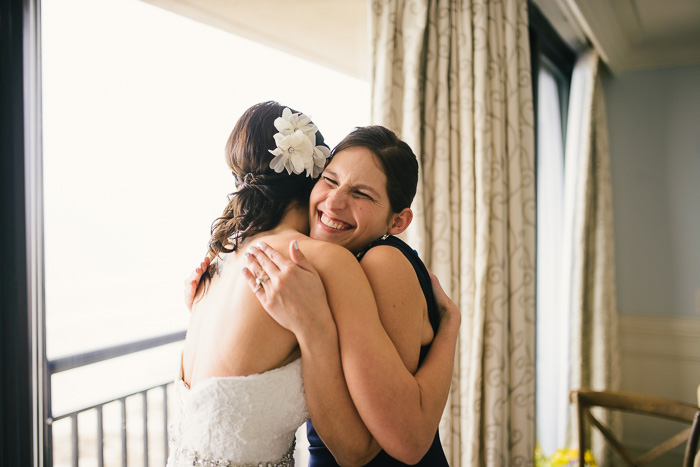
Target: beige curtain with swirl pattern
<point>588,260</point>
<point>453,79</point>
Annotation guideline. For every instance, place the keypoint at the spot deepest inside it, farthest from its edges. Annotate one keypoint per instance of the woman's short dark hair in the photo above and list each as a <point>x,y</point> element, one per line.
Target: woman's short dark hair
<point>396,158</point>
<point>262,195</point>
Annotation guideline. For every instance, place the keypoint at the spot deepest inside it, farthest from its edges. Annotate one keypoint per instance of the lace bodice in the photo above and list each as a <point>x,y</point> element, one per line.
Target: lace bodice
<point>239,420</point>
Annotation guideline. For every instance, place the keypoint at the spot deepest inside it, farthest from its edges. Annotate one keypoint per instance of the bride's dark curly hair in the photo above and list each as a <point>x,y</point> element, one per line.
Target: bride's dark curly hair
<point>262,195</point>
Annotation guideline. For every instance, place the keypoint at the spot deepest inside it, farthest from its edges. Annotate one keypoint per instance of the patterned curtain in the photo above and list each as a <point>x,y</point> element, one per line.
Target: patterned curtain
<point>588,268</point>
<point>453,79</point>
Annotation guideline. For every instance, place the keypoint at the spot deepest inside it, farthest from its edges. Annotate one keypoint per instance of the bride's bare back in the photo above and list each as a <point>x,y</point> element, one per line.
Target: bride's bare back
<point>229,333</point>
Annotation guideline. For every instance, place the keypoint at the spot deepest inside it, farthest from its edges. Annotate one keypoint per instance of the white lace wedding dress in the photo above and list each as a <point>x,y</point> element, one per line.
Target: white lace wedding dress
<point>239,420</point>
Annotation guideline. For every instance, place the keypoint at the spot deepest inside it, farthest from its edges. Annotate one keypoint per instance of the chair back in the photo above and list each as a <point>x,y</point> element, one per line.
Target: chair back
<point>585,400</point>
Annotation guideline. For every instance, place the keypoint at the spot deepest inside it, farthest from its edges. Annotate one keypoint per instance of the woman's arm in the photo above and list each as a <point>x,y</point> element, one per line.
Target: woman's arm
<point>401,411</point>
<point>328,400</point>
<point>332,411</point>
<point>398,292</point>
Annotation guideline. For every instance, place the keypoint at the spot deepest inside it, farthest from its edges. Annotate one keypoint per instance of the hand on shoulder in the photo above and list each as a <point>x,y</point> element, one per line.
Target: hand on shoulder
<point>291,290</point>
<point>193,282</point>
<point>449,311</point>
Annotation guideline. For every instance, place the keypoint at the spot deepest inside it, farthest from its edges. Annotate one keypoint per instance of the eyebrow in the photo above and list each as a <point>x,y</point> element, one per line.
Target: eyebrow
<point>360,186</point>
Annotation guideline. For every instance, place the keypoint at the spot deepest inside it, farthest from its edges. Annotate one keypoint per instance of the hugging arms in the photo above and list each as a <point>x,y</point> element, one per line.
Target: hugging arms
<point>363,385</point>
<point>399,402</point>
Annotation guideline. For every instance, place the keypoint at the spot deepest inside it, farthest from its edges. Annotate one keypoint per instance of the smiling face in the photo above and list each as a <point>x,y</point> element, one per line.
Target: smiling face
<point>349,204</point>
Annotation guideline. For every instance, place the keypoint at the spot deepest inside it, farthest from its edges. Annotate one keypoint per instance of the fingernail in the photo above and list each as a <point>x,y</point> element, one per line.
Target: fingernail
<point>244,270</point>
<point>250,249</point>
<point>296,245</point>
<point>246,255</point>
<point>259,245</point>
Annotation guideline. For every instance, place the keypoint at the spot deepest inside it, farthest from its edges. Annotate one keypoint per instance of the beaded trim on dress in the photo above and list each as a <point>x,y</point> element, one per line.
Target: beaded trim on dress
<point>193,458</point>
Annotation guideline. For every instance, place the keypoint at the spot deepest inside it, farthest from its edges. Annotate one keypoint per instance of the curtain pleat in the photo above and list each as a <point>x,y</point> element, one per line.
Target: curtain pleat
<point>589,290</point>
<point>453,79</point>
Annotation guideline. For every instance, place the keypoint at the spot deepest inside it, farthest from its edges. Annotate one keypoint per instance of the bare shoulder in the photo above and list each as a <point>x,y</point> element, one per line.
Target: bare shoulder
<point>389,263</point>
<point>325,256</point>
<point>393,279</point>
<point>349,293</point>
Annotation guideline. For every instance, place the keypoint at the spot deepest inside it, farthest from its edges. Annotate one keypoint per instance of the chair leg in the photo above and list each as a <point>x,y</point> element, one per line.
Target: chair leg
<point>581,437</point>
<point>692,447</point>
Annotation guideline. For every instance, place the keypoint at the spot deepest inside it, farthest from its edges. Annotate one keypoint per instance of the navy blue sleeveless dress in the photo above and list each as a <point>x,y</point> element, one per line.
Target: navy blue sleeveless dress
<point>319,455</point>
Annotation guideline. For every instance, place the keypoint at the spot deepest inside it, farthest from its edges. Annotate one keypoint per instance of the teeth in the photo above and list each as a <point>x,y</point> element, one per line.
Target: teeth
<point>328,222</point>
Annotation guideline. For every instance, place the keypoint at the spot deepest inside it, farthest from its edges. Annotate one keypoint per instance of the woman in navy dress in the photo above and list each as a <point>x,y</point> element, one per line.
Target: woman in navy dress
<point>362,198</point>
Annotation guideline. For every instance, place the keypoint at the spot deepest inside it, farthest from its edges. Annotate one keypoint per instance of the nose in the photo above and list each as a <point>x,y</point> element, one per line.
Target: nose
<point>336,200</point>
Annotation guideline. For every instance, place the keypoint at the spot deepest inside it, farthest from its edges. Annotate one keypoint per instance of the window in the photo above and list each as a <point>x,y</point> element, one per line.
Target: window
<point>550,197</point>
<point>552,67</point>
<point>138,104</point>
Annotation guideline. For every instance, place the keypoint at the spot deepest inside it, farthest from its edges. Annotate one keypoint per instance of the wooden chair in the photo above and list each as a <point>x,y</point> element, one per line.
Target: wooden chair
<point>691,449</point>
<point>641,404</point>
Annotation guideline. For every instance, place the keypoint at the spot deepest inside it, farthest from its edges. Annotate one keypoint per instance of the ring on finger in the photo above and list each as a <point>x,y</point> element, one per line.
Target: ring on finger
<point>258,287</point>
<point>262,280</point>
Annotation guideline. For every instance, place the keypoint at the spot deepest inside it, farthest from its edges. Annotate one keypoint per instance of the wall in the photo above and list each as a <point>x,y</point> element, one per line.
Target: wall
<point>654,129</point>
<point>659,356</point>
<point>654,126</point>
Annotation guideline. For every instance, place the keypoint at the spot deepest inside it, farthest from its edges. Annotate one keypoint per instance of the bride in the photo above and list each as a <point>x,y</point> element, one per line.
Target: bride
<point>240,393</point>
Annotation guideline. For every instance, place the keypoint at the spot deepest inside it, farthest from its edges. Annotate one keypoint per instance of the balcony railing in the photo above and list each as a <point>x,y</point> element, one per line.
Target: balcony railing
<point>87,358</point>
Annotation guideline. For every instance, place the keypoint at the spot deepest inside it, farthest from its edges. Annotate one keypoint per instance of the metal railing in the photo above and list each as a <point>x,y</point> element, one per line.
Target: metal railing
<point>87,358</point>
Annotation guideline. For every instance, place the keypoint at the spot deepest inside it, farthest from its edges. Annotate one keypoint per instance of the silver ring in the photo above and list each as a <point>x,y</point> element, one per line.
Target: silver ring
<point>262,280</point>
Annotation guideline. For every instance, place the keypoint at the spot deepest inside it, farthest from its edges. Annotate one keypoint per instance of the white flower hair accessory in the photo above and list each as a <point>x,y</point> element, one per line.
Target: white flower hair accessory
<point>296,148</point>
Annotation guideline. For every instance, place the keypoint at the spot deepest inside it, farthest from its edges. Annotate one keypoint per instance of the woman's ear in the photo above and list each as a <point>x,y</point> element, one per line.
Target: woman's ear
<point>400,221</point>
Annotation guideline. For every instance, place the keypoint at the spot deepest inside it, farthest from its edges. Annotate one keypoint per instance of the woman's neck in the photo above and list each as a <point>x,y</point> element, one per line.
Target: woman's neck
<point>296,217</point>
